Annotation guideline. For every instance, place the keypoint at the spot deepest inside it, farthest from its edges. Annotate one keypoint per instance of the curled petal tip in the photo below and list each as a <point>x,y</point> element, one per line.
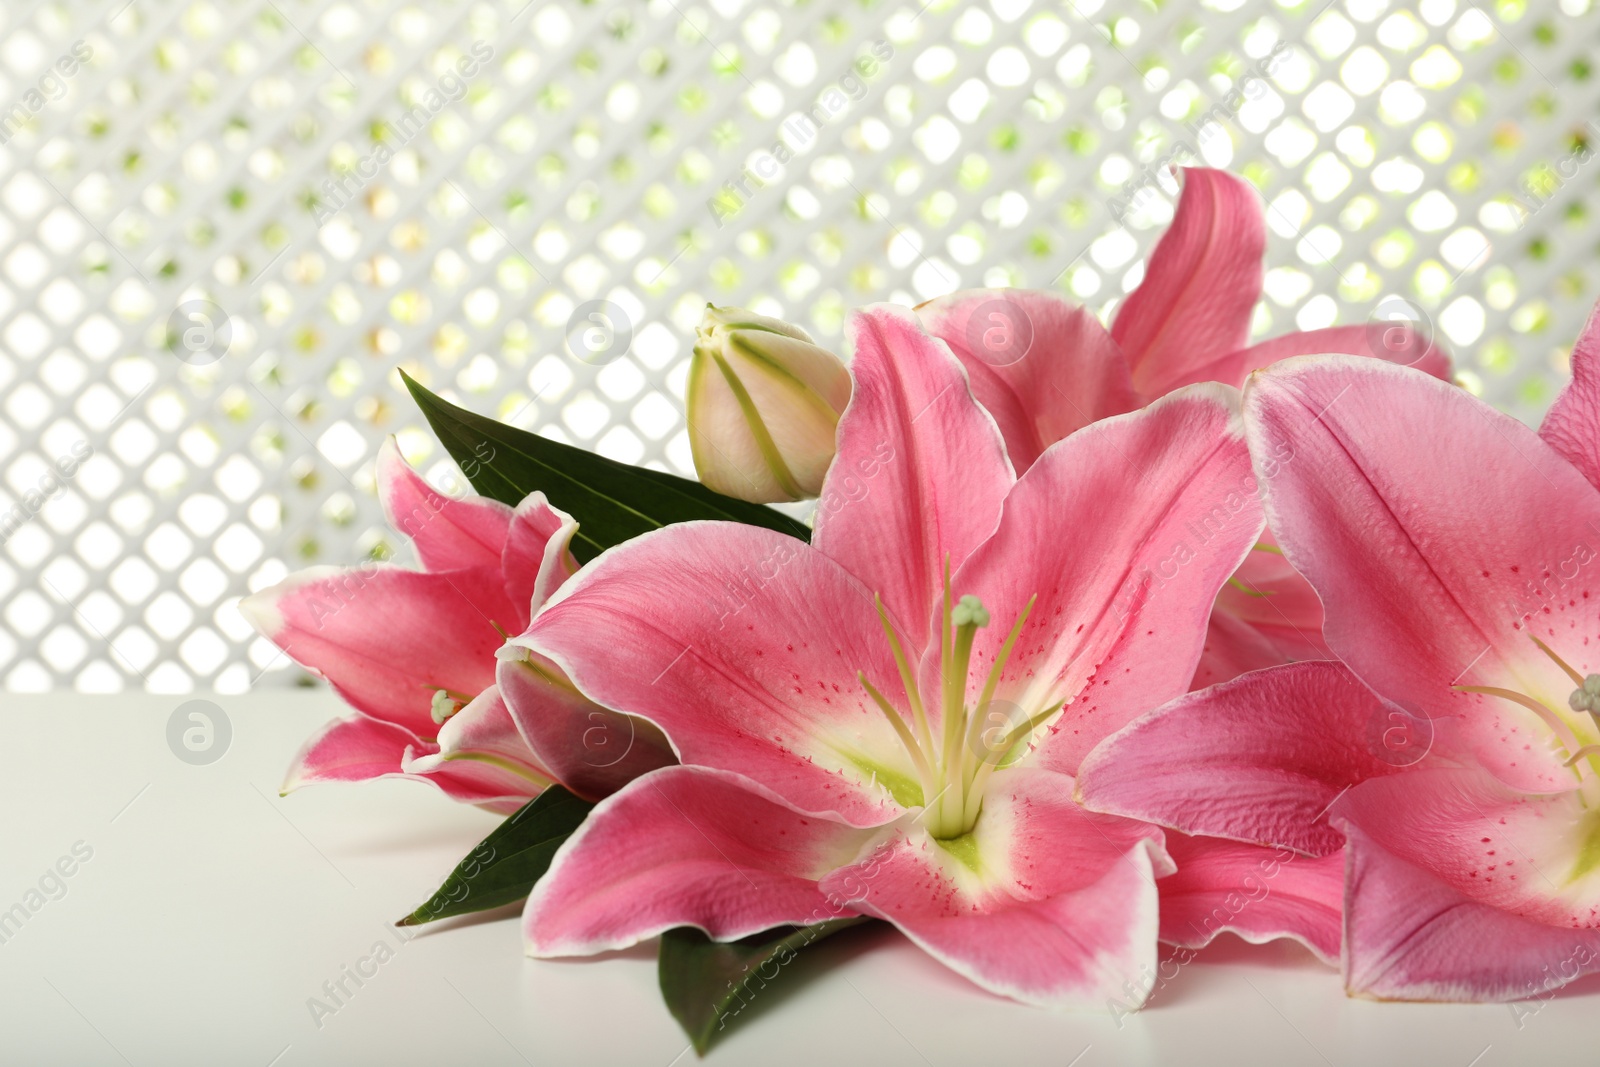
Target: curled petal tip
<point>260,611</point>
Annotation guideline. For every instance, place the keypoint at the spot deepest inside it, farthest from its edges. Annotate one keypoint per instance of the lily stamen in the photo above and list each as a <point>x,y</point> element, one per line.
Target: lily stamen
<point>914,750</point>
<point>1010,738</point>
<point>1585,697</point>
<point>1586,750</point>
<point>1563,732</point>
<point>986,698</point>
<point>953,775</point>
<point>1577,679</point>
<point>908,677</point>
<point>445,704</point>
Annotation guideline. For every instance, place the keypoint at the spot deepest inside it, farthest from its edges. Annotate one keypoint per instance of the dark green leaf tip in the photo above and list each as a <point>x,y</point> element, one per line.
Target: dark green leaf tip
<point>507,863</point>
<point>708,984</point>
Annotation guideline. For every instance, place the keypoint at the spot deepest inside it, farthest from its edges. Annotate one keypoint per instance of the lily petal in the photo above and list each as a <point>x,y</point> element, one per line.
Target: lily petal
<point>360,749</point>
<point>921,470</point>
<point>743,646</point>
<point>1261,894</point>
<point>1371,470</point>
<point>357,749</point>
<point>1200,284</point>
<point>686,846</point>
<point>1277,602</point>
<point>343,625</point>
<point>1258,759</point>
<point>1232,648</point>
<point>1358,340</point>
<point>1572,425</point>
<point>1537,856</point>
<point>1125,531</point>
<point>1042,902</point>
<point>591,750</point>
<point>537,556</point>
<point>1070,373</point>
<point>480,756</point>
<point>449,533</point>
<point>1410,936</point>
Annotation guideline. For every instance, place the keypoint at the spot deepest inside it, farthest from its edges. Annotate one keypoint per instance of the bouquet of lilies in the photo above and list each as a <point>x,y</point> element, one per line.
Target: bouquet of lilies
<point>1097,639</point>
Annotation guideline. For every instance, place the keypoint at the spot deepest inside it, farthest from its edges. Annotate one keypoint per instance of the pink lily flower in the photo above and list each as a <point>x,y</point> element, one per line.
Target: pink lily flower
<point>887,721</point>
<point>414,654</point>
<point>1454,757</point>
<point>1188,321</point>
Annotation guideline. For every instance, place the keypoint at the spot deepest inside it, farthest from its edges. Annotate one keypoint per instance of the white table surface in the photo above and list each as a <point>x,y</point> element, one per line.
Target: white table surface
<point>211,910</point>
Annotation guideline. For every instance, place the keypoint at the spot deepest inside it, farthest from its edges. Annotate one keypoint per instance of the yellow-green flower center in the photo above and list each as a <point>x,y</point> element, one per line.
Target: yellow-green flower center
<point>954,770</point>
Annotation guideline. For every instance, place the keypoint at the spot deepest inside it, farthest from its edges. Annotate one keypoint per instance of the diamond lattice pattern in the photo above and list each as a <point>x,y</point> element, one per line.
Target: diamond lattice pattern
<point>223,227</point>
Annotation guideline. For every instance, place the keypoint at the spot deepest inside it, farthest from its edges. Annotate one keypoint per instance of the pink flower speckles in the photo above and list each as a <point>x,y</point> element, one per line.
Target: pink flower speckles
<point>1455,551</point>
<point>895,729</point>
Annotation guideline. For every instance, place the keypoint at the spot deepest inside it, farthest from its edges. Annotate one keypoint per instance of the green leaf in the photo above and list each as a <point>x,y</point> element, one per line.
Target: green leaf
<point>707,983</point>
<point>612,501</point>
<point>505,864</point>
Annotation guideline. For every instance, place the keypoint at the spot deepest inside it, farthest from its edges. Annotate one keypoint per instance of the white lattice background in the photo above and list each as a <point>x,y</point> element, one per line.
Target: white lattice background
<point>1424,150</point>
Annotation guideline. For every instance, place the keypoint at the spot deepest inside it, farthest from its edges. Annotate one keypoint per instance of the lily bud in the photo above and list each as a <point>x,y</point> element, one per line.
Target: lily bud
<point>764,400</point>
